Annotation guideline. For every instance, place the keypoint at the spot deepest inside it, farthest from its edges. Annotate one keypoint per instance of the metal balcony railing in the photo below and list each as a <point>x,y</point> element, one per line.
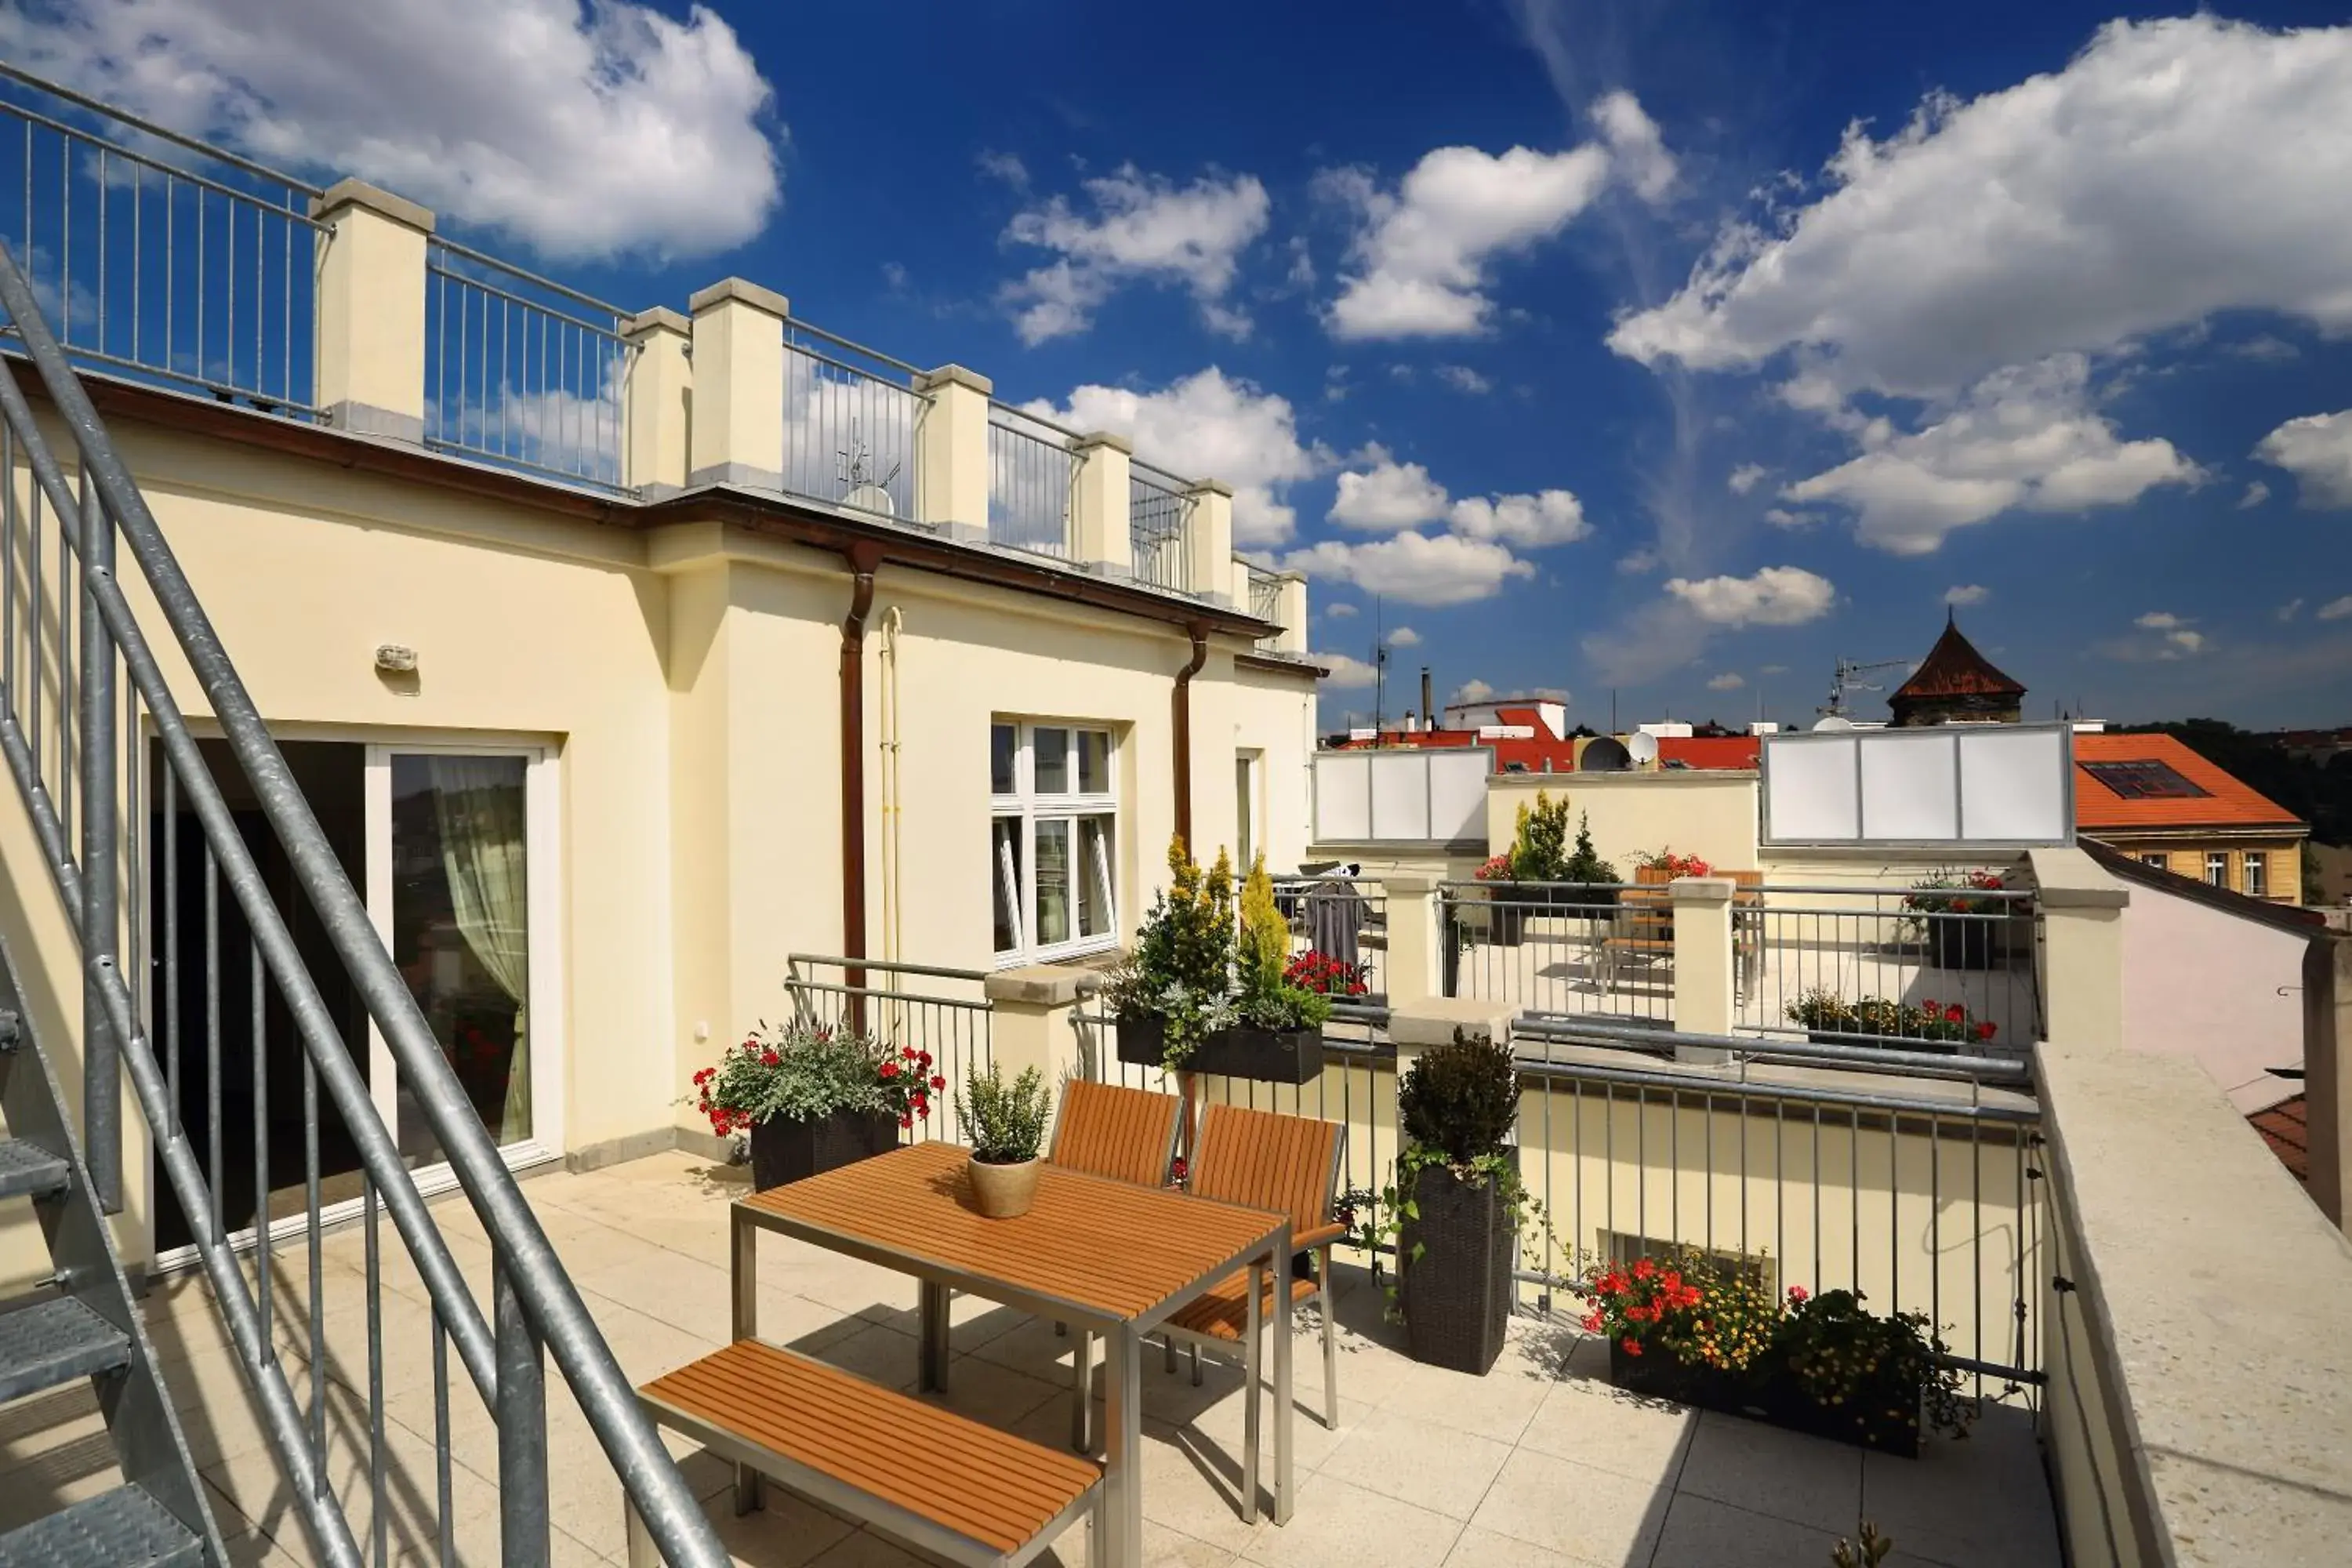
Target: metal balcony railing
<point>1159,514</point>
<point>81,690</point>
<point>852,417</point>
<point>1032,476</point>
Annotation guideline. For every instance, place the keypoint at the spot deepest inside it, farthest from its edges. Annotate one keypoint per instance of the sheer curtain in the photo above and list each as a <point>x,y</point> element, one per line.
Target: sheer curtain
<point>479,803</point>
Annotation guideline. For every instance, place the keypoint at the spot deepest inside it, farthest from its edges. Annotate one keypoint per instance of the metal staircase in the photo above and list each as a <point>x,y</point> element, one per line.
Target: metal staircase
<point>81,1324</point>
<point>83,697</point>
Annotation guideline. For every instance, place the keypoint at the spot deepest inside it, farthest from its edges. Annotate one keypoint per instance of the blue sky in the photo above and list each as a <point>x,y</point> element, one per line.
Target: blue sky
<point>1675,348</point>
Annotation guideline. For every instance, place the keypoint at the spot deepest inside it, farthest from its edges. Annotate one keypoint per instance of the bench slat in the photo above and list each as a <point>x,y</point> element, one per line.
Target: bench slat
<point>987,1486</point>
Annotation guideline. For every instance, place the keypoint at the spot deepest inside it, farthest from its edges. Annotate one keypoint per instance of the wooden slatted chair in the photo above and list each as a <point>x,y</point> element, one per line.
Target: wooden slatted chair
<point>940,1482</point>
<point>1291,1164</point>
<point>1128,1135</point>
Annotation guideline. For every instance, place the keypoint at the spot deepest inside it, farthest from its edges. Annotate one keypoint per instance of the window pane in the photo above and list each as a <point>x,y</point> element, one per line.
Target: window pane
<point>1003,743</point>
<point>1096,842</point>
<point>461,932</point>
<point>2217,868</point>
<point>1051,748</point>
<point>2257,865</point>
<point>1244,815</point>
<point>1004,870</point>
<point>1094,762</point>
<point>1053,882</point>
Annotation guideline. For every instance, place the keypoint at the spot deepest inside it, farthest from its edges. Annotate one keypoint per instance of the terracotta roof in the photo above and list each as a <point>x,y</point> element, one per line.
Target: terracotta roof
<point>2284,1127</point>
<point>2225,802</point>
<point>1955,669</point>
<point>1710,751</point>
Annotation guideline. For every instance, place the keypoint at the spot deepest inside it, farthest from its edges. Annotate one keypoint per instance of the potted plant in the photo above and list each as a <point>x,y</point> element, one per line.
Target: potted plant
<point>1826,1016</point>
<point>1680,1329</point>
<point>1952,905</point>
<point>1004,1124</point>
<point>1538,852</point>
<point>1662,866</point>
<point>1277,1033</point>
<point>1847,1374</point>
<point>810,1096</point>
<point>1462,1201</point>
<point>1590,882</point>
<point>1830,1019</point>
<point>1322,973</point>
<point>1177,990</point>
<point>1506,902</point>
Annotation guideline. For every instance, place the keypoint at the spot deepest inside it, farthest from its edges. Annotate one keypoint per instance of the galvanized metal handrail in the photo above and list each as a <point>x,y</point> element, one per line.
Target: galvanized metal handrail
<point>538,1305</point>
<point>149,128</point>
<point>1032,482</point>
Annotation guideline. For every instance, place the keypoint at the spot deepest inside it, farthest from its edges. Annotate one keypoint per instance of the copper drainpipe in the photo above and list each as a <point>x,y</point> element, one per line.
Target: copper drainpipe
<point>864,557</point>
<point>1182,702</point>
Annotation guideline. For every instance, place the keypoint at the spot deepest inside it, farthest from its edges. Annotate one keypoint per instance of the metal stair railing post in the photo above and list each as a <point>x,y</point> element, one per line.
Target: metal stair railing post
<point>546,1299</point>
<point>100,912</point>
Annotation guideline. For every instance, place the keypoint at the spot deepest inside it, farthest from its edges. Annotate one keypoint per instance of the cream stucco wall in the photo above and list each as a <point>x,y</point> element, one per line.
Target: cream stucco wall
<point>1710,813</point>
<point>2224,991</point>
<point>685,683</point>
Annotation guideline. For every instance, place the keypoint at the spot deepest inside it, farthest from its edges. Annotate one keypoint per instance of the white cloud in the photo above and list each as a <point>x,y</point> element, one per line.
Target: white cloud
<point>1726,681</point>
<point>1634,562</point>
<point>1746,478</point>
<point>1143,228</point>
<point>1529,521</point>
<point>1774,596</point>
<point>1340,611</point>
<point>1005,166</point>
<point>2288,611</point>
<point>1345,671</point>
<point>1774,669</point>
<point>1421,262</point>
<point>2159,621</point>
<point>1781,517</point>
<point>2185,640</point>
<point>2173,170</point>
<point>1388,496</point>
<point>1415,568</point>
<point>1404,636</point>
<point>2256,493</point>
<point>580,130</point>
<point>1461,378</point>
<point>2317,450</point>
<point>1965,593</point>
<point>2334,609</point>
<point>1208,424</point>
<point>2024,437</point>
<point>1473,691</point>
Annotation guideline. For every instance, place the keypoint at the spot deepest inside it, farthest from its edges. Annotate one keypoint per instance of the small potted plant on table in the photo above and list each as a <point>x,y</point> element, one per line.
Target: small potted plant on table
<point>1459,1218</point>
<point>1005,1126</point>
<point>810,1097</point>
<point>1959,915</point>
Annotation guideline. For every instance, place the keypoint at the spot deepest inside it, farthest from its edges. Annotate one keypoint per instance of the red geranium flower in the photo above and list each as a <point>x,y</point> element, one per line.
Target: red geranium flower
<point>1798,1292</point>
<point>1984,1031</point>
<point>1629,1345</point>
<point>889,1070</point>
<point>938,1082</point>
<point>769,1058</point>
<point>1955,1013</point>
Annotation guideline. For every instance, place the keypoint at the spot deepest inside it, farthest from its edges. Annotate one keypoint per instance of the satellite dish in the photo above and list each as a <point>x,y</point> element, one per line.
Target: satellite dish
<point>1834,723</point>
<point>1604,755</point>
<point>1642,747</point>
<point>871,498</point>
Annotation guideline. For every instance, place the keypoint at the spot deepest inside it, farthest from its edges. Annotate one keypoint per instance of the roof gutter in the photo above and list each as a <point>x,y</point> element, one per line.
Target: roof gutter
<point>1181,702</point>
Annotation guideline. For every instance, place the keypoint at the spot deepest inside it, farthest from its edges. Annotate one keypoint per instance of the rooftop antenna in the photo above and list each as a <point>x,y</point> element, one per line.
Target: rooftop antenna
<point>861,487</point>
<point>1380,667</point>
<point>1848,678</point>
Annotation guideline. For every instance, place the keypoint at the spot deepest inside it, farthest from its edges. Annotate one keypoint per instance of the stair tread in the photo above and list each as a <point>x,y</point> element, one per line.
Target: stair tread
<point>28,1170</point>
<point>125,1528</point>
<point>54,1343</point>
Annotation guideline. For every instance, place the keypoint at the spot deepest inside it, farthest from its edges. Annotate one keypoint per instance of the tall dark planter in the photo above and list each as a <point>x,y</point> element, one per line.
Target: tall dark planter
<point>1956,941</point>
<point>1454,1272</point>
<point>1506,924</point>
<point>785,1150</point>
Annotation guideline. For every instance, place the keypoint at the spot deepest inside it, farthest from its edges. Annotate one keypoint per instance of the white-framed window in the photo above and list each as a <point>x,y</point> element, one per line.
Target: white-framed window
<point>2161,860</point>
<point>2258,880</point>
<point>1053,838</point>
<point>2216,868</point>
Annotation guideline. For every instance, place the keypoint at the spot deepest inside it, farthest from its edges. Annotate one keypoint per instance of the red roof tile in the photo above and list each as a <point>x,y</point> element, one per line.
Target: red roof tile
<point>2226,803</point>
<point>2285,1129</point>
<point>1710,751</point>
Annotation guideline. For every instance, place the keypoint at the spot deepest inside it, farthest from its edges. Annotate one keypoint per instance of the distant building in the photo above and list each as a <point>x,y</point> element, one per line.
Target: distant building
<point>1955,685</point>
<point>2155,799</point>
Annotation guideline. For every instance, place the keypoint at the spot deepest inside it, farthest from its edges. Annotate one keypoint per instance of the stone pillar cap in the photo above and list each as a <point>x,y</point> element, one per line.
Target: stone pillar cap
<point>351,193</point>
<point>1213,486</point>
<point>1110,438</point>
<point>1701,890</point>
<point>659,317</point>
<point>744,290</point>
<point>1040,985</point>
<point>954,375</point>
<point>1432,1022</point>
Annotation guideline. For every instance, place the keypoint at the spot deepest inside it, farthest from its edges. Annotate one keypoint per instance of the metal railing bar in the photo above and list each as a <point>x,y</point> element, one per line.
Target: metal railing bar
<point>467,253</point>
<point>886,965</point>
<point>149,128</point>
<point>1868,1099</point>
<point>794,323</point>
<point>109,148</point>
<point>145,368</point>
<point>859,372</point>
<point>648,1474</point>
<point>609,334</point>
<point>875,993</point>
<point>1569,1029</point>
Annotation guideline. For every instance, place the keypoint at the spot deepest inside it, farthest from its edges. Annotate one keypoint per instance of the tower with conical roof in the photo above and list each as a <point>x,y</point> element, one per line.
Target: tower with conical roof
<point>1955,685</point>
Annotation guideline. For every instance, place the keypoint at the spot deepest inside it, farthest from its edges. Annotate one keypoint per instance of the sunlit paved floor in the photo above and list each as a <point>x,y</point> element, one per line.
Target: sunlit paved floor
<point>1538,1463</point>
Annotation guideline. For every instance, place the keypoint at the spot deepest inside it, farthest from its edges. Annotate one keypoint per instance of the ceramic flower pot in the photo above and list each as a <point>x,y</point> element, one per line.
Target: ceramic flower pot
<point>1003,1192</point>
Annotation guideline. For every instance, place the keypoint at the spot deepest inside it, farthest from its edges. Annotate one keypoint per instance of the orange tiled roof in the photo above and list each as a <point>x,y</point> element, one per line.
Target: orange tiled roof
<point>2226,803</point>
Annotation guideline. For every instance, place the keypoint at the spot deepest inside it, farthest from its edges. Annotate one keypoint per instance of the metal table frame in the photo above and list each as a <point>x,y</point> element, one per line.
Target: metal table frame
<point>1123,1341</point>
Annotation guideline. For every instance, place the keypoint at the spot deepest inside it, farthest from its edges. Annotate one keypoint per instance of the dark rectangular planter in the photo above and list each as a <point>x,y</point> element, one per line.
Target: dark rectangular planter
<point>785,1150</point>
<point>1142,1042</point>
<point>1268,1055</point>
<point>1454,1272</point>
<point>1506,924</point>
<point>1866,1421</point>
<point>1960,942</point>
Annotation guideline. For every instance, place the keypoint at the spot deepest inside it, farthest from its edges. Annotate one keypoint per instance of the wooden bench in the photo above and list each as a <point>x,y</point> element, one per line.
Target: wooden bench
<point>933,1479</point>
<point>1644,928</point>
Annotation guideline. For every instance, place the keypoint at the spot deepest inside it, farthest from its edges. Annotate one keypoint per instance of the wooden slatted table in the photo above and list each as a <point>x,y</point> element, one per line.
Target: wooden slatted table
<point>1107,1257</point>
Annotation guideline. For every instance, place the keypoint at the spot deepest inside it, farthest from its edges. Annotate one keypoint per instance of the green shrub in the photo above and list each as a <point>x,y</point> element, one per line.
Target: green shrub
<point>1004,1124</point>
<point>1461,1099</point>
